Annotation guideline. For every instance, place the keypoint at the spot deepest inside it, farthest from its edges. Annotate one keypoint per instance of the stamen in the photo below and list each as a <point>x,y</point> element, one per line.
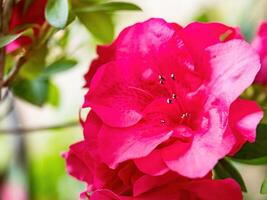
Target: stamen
<point>172,76</point>
<point>174,96</point>
<point>169,101</point>
<point>185,115</point>
<point>162,121</point>
<point>161,77</point>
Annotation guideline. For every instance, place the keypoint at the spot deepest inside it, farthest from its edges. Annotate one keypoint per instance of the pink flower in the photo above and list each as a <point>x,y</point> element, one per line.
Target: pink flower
<point>126,182</point>
<point>260,44</point>
<point>21,16</point>
<point>169,95</point>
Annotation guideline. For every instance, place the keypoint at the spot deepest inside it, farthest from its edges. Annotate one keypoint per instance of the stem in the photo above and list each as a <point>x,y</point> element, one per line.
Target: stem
<point>44,128</point>
<point>13,73</point>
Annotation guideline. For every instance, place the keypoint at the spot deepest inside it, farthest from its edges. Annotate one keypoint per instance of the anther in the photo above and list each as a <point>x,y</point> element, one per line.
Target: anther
<point>162,121</point>
<point>172,76</point>
<point>169,101</point>
<point>174,96</point>
<point>185,115</point>
<point>161,78</point>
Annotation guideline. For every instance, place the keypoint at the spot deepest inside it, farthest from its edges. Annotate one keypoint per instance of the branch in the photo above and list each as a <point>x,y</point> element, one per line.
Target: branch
<point>14,72</point>
<point>44,128</point>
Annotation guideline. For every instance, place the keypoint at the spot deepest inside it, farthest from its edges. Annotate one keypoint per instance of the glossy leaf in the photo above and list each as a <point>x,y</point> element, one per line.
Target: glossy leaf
<point>35,64</point>
<point>53,95</point>
<point>264,186</point>
<point>99,24</point>
<point>225,169</point>
<point>58,66</point>
<point>255,153</point>
<point>33,91</point>
<point>56,13</point>
<point>111,7</point>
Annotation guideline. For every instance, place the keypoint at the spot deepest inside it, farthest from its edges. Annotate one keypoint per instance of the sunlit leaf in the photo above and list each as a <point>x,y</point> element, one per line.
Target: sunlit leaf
<point>264,186</point>
<point>58,66</point>
<point>99,24</point>
<point>35,64</point>
<point>56,13</point>
<point>111,7</point>
<point>53,94</point>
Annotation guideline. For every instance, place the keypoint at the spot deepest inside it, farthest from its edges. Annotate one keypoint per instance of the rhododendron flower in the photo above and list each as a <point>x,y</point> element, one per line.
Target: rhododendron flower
<point>169,95</point>
<point>126,182</point>
<point>260,44</point>
<point>23,15</point>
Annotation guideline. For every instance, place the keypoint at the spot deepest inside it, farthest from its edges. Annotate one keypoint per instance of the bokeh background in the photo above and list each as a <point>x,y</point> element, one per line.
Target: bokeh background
<point>31,166</point>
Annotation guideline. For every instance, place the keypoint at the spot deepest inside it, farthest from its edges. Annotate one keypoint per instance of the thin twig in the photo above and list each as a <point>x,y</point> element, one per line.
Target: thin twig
<point>14,72</point>
<point>44,128</point>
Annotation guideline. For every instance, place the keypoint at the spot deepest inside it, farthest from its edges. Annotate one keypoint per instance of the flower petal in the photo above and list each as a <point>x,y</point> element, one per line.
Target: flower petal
<point>152,164</point>
<point>197,158</point>
<point>226,189</point>
<point>245,115</point>
<point>234,65</point>
<point>210,34</point>
<point>120,144</point>
<point>148,36</point>
<point>78,162</point>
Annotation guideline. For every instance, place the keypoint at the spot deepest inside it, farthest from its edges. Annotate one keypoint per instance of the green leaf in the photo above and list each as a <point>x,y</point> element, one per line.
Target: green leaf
<point>110,7</point>
<point>58,66</point>
<point>56,13</point>
<point>254,153</point>
<point>99,24</point>
<point>225,169</point>
<point>33,91</point>
<point>7,39</point>
<point>264,120</point>
<point>53,94</point>
<point>35,65</point>
<point>264,186</point>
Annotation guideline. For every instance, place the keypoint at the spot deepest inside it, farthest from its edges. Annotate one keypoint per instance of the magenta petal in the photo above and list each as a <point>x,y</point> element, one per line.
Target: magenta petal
<point>91,126</point>
<point>245,115</point>
<point>120,144</point>
<point>196,159</point>
<point>152,164</point>
<point>259,43</point>
<point>210,34</point>
<point>146,182</point>
<point>106,54</point>
<point>226,189</point>
<point>78,162</point>
<point>114,98</point>
<point>148,37</point>
<point>234,65</point>
<point>104,194</point>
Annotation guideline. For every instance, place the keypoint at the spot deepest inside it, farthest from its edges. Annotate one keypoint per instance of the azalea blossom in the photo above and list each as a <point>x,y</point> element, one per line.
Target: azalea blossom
<point>126,182</point>
<point>169,95</point>
<point>23,15</point>
<point>260,44</point>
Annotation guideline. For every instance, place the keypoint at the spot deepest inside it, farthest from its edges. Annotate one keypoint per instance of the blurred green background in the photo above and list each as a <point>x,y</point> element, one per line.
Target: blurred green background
<point>30,163</point>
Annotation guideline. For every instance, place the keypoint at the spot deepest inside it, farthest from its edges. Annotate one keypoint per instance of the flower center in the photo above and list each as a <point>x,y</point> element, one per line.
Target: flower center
<point>183,115</point>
